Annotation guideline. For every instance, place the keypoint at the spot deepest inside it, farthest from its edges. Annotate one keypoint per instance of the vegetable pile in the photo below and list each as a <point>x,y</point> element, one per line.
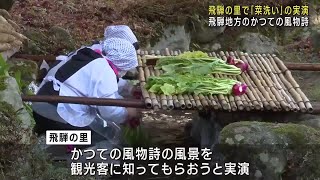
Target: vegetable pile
<point>191,73</point>
<point>197,84</point>
<point>197,66</point>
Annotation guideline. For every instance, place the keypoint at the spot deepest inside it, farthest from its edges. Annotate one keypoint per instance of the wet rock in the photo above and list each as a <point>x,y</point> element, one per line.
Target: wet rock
<point>62,37</point>
<point>256,43</point>
<point>205,130</point>
<point>28,70</point>
<point>57,40</point>
<point>174,38</point>
<point>314,37</point>
<point>211,47</point>
<point>273,151</point>
<point>202,33</point>
<point>16,122</point>
<point>315,123</point>
<point>6,4</point>
<point>37,44</point>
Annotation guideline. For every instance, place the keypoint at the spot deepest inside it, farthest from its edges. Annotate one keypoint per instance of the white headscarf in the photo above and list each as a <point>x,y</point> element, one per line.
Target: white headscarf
<point>120,31</point>
<point>121,53</point>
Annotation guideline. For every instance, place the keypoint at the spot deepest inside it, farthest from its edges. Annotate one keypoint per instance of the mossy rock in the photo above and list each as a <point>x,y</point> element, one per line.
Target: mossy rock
<point>38,42</point>
<point>274,151</point>
<point>27,68</point>
<point>11,95</point>
<point>6,4</point>
<point>62,41</point>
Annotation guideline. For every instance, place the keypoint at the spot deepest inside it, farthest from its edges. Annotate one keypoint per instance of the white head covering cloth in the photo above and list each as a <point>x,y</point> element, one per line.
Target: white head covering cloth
<point>120,31</point>
<point>121,53</point>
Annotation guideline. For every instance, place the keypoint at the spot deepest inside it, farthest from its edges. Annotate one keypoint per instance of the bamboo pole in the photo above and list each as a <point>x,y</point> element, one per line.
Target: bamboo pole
<point>84,100</point>
<point>255,89</point>
<point>271,74</point>
<point>146,72</point>
<point>148,100</point>
<point>179,101</point>
<point>237,99</point>
<point>291,89</point>
<point>187,101</point>
<point>218,102</point>
<point>214,102</point>
<point>145,94</point>
<point>193,102</point>
<point>278,71</point>
<point>223,101</point>
<point>252,94</point>
<point>106,101</point>
<point>270,83</point>
<point>264,84</point>
<point>260,84</point>
<point>183,100</point>
<point>290,78</point>
<point>167,102</point>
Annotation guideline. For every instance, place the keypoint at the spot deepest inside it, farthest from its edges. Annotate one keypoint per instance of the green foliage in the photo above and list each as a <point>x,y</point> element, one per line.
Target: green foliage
<point>4,67</point>
<point>194,54</point>
<point>191,73</point>
<point>135,137</point>
<point>196,66</point>
<point>4,72</point>
<point>187,83</point>
<point>17,76</point>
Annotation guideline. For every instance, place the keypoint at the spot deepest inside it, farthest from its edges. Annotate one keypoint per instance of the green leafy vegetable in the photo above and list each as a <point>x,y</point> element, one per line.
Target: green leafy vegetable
<point>4,67</point>
<point>198,66</point>
<point>191,73</point>
<point>187,83</point>
<point>194,54</point>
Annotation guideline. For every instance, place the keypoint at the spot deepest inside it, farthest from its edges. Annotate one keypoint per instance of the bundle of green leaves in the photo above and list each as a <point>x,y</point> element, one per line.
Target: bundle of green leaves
<point>191,73</point>
<point>197,66</point>
<point>188,83</point>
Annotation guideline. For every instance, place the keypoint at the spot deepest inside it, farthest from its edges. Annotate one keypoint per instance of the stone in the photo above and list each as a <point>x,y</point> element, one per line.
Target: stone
<point>210,47</point>
<point>56,40</point>
<point>205,129</point>
<point>273,150</point>
<point>256,43</point>
<point>27,68</point>
<point>62,38</point>
<point>61,34</point>
<point>6,4</point>
<point>315,123</point>
<point>16,123</point>
<point>37,43</point>
<point>314,37</point>
<point>174,37</point>
<point>201,31</point>
<point>258,174</point>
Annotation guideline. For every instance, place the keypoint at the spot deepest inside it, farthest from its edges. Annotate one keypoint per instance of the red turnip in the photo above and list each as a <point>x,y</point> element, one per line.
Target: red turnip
<point>242,65</point>
<point>230,60</point>
<point>239,89</point>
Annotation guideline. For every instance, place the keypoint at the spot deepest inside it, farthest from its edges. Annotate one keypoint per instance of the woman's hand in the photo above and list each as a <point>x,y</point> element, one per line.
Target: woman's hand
<point>134,113</point>
<point>136,92</point>
<point>134,116</point>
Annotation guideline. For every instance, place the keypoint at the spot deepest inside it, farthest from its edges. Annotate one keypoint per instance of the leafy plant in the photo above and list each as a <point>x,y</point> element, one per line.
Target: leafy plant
<point>197,66</point>
<point>191,73</point>
<point>134,134</point>
<point>4,71</point>
<point>185,84</point>
<point>194,54</point>
<point>4,67</point>
<point>17,76</point>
